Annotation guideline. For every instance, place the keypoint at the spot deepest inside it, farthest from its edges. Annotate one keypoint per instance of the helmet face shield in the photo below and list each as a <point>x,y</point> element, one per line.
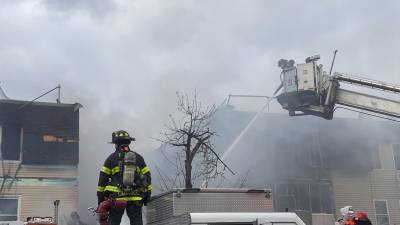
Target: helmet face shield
<point>123,142</point>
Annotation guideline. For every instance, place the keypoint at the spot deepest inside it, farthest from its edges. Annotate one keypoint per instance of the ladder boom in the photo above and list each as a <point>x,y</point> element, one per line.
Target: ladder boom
<point>366,82</point>
<point>367,102</point>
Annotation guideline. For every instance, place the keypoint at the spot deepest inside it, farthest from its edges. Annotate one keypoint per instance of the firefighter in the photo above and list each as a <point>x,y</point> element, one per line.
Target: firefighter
<point>361,218</point>
<point>124,176</point>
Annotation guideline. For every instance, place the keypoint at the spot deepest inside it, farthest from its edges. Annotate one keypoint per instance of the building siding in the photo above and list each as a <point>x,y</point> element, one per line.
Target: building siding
<point>38,200</point>
<point>385,186</point>
<point>361,190</point>
<point>354,190</point>
<point>10,168</point>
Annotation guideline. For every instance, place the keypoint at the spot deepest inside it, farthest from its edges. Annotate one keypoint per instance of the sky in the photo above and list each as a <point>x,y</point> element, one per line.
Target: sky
<point>124,60</point>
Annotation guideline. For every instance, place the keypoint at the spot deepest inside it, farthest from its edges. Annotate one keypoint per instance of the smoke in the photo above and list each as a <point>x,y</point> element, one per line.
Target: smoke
<point>124,60</point>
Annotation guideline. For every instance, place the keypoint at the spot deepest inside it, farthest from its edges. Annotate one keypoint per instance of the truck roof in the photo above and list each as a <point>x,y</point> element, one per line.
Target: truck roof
<point>215,217</point>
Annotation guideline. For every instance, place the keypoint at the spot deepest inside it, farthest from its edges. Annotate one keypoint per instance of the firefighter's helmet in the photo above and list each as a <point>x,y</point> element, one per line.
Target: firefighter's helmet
<point>122,137</point>
<point>361,218</point>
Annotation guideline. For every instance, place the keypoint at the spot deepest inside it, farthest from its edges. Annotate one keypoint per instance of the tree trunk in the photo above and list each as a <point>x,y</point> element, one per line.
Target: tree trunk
<point>188,175</point>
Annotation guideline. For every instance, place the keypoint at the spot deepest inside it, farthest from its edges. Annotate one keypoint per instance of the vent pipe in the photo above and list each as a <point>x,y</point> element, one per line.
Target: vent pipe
<point>56,204</point>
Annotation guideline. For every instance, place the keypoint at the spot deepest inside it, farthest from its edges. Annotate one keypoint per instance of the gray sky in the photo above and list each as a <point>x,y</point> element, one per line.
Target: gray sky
<point>124,60</point>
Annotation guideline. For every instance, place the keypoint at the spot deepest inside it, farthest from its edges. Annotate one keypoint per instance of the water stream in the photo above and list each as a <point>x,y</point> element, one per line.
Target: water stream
<point>240,136</point>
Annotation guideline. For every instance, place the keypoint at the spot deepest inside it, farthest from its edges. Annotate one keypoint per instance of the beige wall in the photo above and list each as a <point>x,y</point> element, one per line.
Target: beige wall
<point>38,201</point>
<point>36,198</point>
<point>360,190</point>
<point>38,171</point>
<point>385,186</point>
<point>354,190</point>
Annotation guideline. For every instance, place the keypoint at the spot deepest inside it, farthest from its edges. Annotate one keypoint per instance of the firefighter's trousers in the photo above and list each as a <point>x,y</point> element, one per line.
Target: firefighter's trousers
<point>133,210</point>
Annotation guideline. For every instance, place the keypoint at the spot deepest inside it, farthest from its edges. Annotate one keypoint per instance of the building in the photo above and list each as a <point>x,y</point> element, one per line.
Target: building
<point>39,158</point>
<point>315,164</point>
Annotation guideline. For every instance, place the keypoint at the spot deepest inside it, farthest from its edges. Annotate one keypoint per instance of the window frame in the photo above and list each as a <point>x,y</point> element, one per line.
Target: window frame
<point>20,145</point>
<point>18,198</point>
<point>1,138</point>
<point>387,210</point>
<point>393,153</point>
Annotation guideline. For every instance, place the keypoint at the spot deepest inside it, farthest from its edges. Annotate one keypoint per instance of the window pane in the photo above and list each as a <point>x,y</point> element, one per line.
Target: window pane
<point>315,198</point>
<point>1,135</point>
<point>326,200</point>
<point>303,197</point>
<point>380,207</point>
<point>8,206</point>
<point>10,142</point>
<point>8,218</point>
<point>396,153</point>
<point>382,220</point>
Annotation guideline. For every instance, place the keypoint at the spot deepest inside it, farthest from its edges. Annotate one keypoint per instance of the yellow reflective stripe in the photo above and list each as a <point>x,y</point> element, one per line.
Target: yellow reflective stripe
<point>149,187</point>
<point>132,198</point>
<point>145,170</point>
<point>105,170</point>
<point>115,170</point>
<point>138,170</point>
<point>100,189</point>
<point>112,188</point>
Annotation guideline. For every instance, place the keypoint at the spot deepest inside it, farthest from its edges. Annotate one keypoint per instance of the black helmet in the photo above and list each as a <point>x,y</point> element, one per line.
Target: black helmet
<point>121,136</point>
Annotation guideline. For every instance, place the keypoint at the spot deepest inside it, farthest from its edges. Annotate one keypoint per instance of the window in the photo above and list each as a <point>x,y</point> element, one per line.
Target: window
<point>376,161</point>
<point>381,211</point>
<point>396,155</point>
<point>315,197</point>
<point>8,209</point>
<point>1,155</point>
<point>10,142</point>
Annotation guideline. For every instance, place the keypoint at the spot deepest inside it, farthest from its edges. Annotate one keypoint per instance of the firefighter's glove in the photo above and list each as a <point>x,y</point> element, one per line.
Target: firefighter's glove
<point>146,198</point>
<point>100,198</point>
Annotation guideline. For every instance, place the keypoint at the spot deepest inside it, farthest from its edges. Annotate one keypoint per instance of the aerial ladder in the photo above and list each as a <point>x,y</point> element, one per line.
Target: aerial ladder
<point>308,90</point>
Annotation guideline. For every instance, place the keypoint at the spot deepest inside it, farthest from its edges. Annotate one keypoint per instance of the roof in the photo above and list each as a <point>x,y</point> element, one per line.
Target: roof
<point>20,102</point>
<point>202,218</point>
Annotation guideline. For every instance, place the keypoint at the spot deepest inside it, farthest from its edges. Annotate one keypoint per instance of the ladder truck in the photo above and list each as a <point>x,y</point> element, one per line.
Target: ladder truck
<point>308,90</point>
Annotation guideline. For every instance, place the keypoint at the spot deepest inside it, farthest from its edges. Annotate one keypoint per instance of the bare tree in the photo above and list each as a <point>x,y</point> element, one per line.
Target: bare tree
<point>191,137</point>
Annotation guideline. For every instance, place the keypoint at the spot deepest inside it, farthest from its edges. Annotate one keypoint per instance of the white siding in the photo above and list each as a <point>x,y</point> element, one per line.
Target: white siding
<point>385,186</point>
<point>38,201</point>
<point>38,171</point>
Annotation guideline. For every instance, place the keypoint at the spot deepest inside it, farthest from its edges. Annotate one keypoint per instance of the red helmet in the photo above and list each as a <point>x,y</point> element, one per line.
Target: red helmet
<point>361,218</point>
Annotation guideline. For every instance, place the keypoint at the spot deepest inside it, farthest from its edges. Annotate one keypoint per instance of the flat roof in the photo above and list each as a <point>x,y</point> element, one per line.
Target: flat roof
<point>212,190</point>
<point>53,104</point>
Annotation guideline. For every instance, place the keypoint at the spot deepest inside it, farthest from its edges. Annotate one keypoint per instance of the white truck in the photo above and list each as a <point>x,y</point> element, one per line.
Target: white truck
<point>217,207</point>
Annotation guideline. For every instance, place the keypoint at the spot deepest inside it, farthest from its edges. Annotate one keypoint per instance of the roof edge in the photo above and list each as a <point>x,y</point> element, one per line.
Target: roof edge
<point>22,102</point>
